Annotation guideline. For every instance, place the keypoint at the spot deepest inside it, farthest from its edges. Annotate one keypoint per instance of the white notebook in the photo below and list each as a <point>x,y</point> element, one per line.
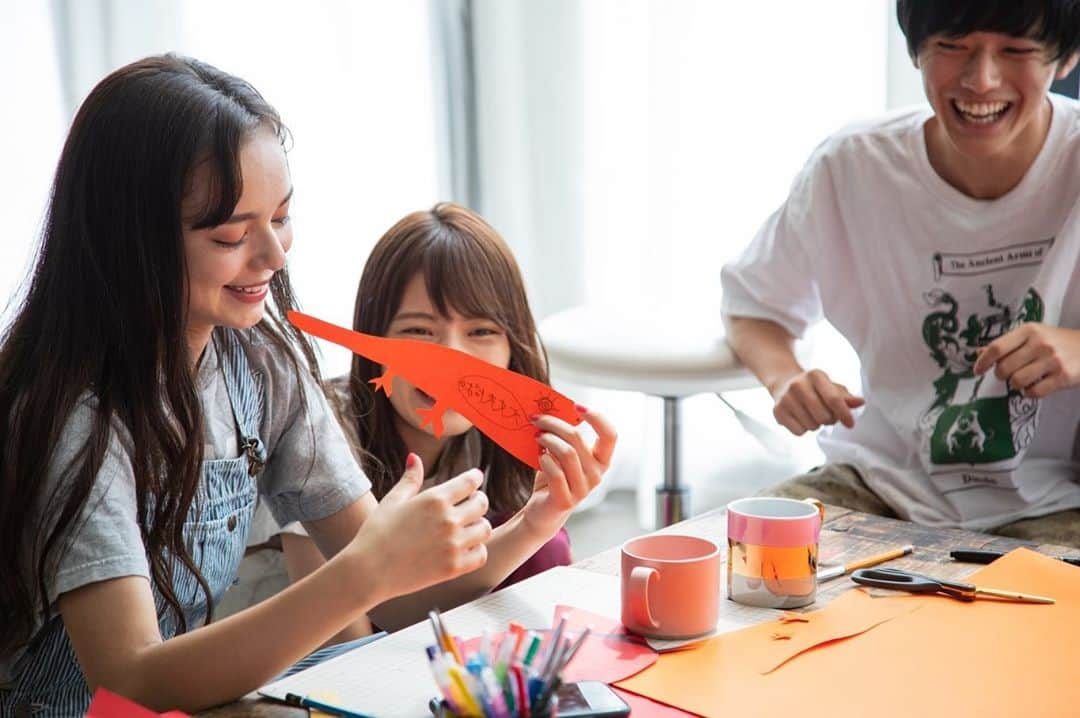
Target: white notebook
<point>391,677</point>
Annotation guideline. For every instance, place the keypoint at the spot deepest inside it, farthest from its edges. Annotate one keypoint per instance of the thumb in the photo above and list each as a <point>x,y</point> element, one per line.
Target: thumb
<point>410,482</point>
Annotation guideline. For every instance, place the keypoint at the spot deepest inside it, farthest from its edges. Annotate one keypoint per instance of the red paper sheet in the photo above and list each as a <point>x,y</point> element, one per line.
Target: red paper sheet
<point>609,654</point>
<point>107,704</point>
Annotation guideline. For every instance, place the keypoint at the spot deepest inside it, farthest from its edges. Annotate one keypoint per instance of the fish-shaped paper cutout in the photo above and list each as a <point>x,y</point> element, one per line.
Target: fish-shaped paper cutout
<point>496,401</point>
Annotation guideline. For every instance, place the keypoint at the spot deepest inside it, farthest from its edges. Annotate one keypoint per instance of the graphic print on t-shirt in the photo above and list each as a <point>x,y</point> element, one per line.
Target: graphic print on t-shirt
<point>975,419</point>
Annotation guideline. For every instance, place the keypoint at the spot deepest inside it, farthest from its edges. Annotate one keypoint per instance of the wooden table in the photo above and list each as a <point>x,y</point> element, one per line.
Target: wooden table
<point>846,536</point>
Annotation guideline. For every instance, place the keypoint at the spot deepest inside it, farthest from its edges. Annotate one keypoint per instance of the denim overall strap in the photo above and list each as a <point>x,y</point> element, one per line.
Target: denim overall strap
<point>220,517</point>
<point>47,679</point>
<point>247,396</point>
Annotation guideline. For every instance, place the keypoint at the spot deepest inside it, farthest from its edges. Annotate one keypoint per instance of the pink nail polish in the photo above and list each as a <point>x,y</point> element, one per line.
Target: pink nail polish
<point>581,409</point>
<point>410,460</point>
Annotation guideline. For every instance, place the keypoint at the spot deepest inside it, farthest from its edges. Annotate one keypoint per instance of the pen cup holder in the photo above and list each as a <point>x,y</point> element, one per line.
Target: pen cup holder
<point>441,709</point>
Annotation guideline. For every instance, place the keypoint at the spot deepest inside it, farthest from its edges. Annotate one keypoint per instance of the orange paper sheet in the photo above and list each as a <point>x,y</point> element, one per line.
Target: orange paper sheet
<point>985,658</point>
<point>642,707</point>
<point>496,401</point>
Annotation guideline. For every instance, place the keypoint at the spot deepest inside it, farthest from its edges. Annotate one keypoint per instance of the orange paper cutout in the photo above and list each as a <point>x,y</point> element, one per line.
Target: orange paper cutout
<point>792,617</point>
<point>496,401</point>
<point>949,657</point>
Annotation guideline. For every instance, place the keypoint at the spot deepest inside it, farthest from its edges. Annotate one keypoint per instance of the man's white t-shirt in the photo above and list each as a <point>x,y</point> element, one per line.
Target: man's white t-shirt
<point>917,276</point>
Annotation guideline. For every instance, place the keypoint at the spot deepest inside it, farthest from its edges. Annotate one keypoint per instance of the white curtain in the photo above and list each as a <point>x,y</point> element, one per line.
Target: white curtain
<point>32,122</point>
<point>630,147</point>
<point>352,80</point>
<point>530,94</point>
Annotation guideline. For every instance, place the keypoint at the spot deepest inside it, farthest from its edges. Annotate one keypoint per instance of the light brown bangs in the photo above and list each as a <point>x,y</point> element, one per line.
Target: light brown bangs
<point>461,273</point>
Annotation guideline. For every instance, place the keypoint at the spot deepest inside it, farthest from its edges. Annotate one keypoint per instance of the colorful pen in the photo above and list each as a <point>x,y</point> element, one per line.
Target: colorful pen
<point>519,635</point>
<point>541,705</point>
<point>574,648</point>
<point>553,645</point>
<point>555,661</point>
<point>534,645</point>
<point>522,693</point>
<point>459,678</point>
<point>438,629</point>
<point>305,702</point>
<point>450,644</point>
<point>442,680</point>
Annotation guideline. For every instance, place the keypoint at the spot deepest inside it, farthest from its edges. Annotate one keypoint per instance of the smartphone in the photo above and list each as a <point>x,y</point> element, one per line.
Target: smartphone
<point>584,699</point>
<point>590,699</point>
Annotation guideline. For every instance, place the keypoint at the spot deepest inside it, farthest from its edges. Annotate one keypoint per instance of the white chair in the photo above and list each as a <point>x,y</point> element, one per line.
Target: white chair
<point>656,351</point>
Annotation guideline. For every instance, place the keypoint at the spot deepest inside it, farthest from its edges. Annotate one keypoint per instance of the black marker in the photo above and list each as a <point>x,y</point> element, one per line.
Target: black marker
<point>978,555</point>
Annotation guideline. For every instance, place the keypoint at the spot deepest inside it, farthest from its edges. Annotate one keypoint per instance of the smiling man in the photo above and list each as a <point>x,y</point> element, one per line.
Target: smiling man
<point>943,243</point>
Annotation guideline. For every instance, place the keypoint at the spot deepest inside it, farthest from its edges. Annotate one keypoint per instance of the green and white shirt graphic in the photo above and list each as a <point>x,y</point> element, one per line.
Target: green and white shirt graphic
<point>975,420</point>
<point>977,423</point>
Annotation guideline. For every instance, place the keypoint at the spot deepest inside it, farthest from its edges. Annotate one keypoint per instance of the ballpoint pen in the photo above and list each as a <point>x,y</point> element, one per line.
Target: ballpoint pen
<point>305,702</point>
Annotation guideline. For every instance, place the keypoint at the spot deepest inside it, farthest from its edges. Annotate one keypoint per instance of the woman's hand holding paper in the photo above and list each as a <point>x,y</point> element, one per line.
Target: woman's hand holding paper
<point>570,468</point>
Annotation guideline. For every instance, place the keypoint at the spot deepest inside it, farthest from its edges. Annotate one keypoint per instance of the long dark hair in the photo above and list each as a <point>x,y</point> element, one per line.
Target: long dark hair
<point>466,265</point>
<point>104,316</point>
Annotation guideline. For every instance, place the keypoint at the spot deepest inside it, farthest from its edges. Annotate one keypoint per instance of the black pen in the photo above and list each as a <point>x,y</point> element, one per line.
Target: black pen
<point>544,699</point>
<point>979,555</point>
<point>305,702</point>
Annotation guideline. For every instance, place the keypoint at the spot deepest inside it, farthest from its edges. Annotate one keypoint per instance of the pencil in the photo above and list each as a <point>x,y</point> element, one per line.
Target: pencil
<point>449,642</point>
<point>829,572</point>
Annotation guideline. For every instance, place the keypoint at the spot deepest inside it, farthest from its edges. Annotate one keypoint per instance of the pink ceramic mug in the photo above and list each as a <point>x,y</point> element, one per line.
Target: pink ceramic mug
<point>670,586</point>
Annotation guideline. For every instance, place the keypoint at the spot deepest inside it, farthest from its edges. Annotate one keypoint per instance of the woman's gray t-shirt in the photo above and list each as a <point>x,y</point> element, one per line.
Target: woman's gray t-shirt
<point>310,471</point>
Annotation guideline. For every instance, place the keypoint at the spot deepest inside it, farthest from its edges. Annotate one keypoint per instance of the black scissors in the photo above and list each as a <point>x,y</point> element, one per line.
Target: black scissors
<point>900,580</point>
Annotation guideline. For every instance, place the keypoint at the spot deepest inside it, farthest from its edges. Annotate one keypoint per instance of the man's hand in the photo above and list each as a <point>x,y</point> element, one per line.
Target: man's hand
<point>811,399</point>
<point>1037,359</point>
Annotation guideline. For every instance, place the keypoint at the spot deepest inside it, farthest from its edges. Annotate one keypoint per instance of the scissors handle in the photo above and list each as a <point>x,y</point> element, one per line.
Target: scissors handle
<point>899,580</point>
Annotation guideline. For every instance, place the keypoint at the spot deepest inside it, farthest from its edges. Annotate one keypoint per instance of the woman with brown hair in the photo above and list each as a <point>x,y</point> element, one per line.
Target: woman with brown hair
<point>150,389</point>
<point>446,276</point>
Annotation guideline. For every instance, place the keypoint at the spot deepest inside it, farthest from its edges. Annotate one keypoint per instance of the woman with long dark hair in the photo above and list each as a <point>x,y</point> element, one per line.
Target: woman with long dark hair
<point>445,276</point>
<point>150,390</point>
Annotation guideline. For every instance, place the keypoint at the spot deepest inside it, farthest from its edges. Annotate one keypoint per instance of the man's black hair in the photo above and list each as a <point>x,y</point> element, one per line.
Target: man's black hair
<point>1055,23</point>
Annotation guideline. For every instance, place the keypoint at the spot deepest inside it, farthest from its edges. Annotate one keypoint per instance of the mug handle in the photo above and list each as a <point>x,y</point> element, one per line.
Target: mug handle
<point>819,505</point>
<point>640,578</point>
